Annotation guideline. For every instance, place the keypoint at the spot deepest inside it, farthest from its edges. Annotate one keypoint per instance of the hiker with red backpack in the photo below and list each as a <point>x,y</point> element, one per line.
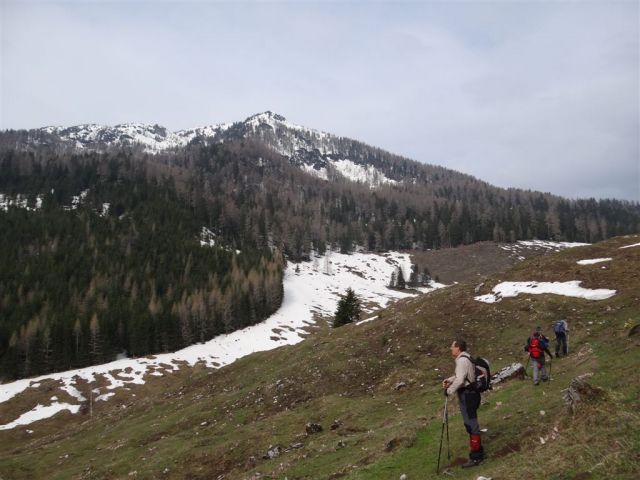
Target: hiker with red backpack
<point>468,385</point>
<point>537,345</point>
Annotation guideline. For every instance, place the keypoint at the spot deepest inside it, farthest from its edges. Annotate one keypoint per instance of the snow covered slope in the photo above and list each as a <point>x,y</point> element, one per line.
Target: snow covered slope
<point>309,288</point>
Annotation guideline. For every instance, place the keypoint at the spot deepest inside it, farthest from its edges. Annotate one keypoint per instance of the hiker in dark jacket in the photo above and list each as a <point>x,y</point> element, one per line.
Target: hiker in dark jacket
<point>468,398</point>
<point>537,345</point>
<point>561,329</point>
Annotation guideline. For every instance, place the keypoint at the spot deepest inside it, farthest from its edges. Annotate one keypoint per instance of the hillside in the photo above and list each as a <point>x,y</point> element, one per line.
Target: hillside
<point>374,388</point>
<point>113,248</point>
<point>382,200</point>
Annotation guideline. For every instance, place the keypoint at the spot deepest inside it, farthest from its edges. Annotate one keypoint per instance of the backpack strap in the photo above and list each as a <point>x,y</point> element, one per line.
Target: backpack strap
<point>473,365</point>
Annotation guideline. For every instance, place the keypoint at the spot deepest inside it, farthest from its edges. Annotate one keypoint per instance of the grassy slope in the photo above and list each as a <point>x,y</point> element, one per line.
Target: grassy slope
<point>201,424</point>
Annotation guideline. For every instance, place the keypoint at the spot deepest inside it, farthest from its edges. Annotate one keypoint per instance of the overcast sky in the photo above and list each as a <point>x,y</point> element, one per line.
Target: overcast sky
<point>535,95</point>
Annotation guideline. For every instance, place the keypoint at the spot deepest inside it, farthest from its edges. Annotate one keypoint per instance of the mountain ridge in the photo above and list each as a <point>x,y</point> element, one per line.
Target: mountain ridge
<point>144,283</point>
<point>311,150</point>
<point>318,153</point>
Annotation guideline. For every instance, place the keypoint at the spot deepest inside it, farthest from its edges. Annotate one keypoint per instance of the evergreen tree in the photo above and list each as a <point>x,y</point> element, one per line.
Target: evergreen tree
<point>400,283</point>
<point>348,310</point>
<point>393,281</point>
<point>414,277</point>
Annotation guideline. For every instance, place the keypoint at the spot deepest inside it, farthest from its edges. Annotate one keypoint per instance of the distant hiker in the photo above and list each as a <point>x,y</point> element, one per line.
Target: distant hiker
<point>561,329</point>
<point>463,383</point>
<point>537,345</point>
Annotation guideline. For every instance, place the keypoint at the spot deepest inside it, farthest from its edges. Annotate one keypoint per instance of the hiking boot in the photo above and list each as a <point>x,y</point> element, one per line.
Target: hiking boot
<point>536,383</point>
<point>471,463</point>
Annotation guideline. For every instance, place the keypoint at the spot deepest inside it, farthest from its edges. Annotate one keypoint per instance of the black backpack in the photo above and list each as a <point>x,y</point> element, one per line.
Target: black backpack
<point>483,374</point>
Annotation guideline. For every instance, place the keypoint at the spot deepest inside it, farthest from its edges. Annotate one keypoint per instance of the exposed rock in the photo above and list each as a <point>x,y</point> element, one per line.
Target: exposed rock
<point>515,370</point>
<point>581,391</point>
<point>336,424</point>
<point>585,351</point>
<point>392,445</point>
<point>400,386</point>
<point>312,428</point>
<point>273,452</point>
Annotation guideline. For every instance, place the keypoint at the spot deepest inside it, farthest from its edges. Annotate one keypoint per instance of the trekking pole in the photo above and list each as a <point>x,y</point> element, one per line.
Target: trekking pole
<point>446,414</point>
<point>527,366</point>
<point>550,365</point>
<point>444,421</point>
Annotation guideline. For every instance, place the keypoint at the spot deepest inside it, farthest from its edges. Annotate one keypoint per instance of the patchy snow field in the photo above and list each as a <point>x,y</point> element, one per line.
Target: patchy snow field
<point>309,288</point>
<point>569,289</point>
<point>591,261</point>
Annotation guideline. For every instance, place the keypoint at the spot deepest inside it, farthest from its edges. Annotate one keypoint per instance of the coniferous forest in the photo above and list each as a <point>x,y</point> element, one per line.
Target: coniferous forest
<point>81,282</point>
<point>79,286</point>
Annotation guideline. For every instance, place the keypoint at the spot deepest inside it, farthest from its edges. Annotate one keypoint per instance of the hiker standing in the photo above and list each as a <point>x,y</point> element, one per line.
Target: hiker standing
<point>537,345</point>
<point>561,329</point>
<point>468,398</point>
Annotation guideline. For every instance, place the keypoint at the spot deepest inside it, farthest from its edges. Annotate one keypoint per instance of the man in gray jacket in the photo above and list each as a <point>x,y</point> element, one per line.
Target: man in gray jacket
<point>462,383</point>
<point>561,329</point>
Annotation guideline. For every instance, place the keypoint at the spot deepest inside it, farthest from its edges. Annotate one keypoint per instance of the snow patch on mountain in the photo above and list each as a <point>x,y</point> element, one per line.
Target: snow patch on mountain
<point>311,170</point>
<point>520,248</point>
<point>210,131</point>
<point>541,245</point>
<point>367,174</point>
<point>20,201</point>
<point>570,289</point>
<point>551,245</point>
<point>311,291</point>
<point>591,261</point>
<point>40,412</point>
<point>207,237</point>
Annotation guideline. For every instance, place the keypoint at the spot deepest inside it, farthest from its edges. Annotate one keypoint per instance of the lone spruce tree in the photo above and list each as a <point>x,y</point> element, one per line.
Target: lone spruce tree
<point>348,309</point>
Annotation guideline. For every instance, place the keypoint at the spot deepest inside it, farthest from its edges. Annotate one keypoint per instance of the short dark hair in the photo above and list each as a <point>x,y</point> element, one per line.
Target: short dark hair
<point>461,344</point>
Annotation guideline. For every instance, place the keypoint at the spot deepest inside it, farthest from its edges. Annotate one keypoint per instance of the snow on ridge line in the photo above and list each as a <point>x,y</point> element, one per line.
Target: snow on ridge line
<point>629,246</point>
<point>549,244</point>
<point>570,289</point>
<point>309,287</point>
<point>591,261</point>
<point>552,244</point>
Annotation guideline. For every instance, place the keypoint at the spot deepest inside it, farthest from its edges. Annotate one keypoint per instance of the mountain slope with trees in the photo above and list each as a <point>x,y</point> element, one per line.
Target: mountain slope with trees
<point>81,285</point>
<point>134,278</point>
